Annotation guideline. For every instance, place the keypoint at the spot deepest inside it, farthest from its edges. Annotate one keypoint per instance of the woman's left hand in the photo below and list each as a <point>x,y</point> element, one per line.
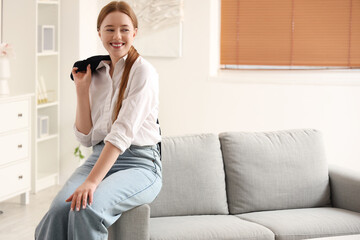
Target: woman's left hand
<point>81,195</point>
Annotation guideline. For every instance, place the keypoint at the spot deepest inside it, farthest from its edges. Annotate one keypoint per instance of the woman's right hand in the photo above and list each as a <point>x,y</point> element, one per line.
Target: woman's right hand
<point>82,79</point>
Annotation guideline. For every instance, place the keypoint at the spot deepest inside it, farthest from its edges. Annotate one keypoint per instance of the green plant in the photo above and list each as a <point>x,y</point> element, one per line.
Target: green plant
<point>77,153</point>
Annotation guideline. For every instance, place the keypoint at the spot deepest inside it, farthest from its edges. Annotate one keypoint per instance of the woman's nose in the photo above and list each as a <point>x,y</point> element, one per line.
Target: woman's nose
<point>117,34</point>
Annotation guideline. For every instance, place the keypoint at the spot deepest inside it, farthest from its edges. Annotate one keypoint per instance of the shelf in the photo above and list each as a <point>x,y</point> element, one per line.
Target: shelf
<point>52,136</point>
<point>44,54</point>
<point>46,153</point>
<point>46,175</point>
<point>47,2</point>
<point>45,180</point>
<point>45,105</point>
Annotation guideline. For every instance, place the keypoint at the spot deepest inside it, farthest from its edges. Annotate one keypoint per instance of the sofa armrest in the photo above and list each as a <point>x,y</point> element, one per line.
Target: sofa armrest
<point>132,225</point>
<point>345,188</point>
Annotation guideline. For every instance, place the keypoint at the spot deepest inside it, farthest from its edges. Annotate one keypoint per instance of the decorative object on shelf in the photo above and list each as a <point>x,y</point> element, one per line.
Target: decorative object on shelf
<point>6,52</point>
<point>50,97</point>
<point>46,38</point>
<point>44,95</point>
<point>41,88</point>
<point>160,32</point>
<point>43,126</point>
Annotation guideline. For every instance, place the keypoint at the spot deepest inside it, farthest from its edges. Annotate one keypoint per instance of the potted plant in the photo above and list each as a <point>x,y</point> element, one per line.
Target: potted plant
<point>78,154</point>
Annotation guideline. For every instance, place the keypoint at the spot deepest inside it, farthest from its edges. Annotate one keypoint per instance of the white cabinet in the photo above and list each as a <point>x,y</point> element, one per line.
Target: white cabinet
<point>46,164</point>
<point>15,147</point>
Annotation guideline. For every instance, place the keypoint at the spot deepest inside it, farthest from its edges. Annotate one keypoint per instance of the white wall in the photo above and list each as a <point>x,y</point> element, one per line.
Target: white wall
<point>87,28</point>
<point>78,23</point>
<point>16,31</point>
<point>69,53</point>
<point>192,101</point>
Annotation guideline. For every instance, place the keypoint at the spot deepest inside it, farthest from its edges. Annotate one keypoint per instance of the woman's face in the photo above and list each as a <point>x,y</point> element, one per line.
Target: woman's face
<point>117,34</point>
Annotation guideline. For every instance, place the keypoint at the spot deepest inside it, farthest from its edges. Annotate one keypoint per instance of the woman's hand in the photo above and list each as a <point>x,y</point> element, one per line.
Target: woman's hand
<point>81,194</point>
<point>82,79</point>
<point>107,158</point>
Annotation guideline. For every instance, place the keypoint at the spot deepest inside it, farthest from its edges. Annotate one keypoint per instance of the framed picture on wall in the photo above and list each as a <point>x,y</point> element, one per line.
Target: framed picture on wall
<point>43,126</point>
<point>46,38</point>
<point>160,34</point>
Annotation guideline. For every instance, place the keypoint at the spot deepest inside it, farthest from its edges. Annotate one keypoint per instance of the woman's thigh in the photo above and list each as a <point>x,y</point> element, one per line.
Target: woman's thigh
<point>133,180</point>
<point>124,190</point>
<point>73,182</point>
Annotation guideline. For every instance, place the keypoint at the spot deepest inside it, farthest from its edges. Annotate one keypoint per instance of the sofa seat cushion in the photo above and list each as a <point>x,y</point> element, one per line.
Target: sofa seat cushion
<point>193,177</point>
<point>206,227</point>
<point>307,223</point>
<point>344,237</point>
<point>275,170</point>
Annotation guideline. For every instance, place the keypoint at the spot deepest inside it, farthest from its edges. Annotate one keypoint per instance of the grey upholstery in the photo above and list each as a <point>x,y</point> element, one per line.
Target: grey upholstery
<point>275,170</point>
<point>342,237</point>
<point>345,188</point>
<point>206,227</point>
<point>133,224</point>
<point>284,173</point>
<point>193,177</point>
<point>297,224</point>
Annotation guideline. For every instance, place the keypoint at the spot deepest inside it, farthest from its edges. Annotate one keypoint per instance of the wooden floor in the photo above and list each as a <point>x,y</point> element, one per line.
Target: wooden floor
<point>19,221</point>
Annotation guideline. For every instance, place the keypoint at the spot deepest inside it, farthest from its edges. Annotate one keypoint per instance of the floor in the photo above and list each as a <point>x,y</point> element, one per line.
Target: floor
<point>19,221</point>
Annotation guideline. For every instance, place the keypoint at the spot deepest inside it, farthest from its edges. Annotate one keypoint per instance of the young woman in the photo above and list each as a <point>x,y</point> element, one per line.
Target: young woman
<point>117,110</point>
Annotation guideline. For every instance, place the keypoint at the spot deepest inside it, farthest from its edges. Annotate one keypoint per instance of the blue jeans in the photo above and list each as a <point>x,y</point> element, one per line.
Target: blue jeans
<point>134,179</point>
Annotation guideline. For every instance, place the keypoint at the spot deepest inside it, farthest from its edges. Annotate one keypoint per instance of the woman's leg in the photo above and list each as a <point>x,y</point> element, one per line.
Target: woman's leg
<point>54,225</point>
<point>133,180</point>
<point>116,194</point>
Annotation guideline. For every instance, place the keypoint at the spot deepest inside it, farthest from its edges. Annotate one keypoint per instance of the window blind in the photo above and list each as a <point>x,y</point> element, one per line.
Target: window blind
<point>290,33</point>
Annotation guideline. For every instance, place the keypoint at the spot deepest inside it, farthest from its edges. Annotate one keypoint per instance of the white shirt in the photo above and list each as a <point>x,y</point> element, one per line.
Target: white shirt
<point>136,122</point>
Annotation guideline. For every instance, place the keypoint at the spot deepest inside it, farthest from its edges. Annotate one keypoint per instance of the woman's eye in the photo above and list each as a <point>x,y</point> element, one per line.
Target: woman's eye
<point>109,30</point>
<point>125,30</point>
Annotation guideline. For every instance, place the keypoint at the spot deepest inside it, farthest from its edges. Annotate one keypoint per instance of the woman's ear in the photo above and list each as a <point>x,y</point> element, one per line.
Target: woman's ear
<point>99,34</point>
<point>135,32</point>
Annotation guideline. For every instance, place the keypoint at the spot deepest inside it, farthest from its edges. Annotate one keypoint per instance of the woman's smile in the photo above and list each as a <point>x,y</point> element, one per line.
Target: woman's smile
<point>117,45</point>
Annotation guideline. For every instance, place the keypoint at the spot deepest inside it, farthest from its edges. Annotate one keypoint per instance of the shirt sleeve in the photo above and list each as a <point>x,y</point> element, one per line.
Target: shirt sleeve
<point>136,107</point>
<point>84,140</point>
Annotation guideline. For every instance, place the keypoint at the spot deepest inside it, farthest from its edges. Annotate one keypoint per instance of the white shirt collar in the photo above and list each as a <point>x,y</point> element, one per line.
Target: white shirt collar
<point>104,63</point>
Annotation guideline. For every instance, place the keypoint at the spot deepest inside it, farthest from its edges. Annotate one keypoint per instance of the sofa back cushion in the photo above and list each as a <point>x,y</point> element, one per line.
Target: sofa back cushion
<point>193,177</point>
<point>275,170</point>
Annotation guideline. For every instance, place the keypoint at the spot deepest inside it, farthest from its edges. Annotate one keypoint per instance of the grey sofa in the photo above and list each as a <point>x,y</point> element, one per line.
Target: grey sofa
<point>242,185</point>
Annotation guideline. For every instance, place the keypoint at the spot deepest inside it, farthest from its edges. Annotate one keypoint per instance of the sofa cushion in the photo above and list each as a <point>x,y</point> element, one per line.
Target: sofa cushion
<point>341,237</point>
<point>193,177</point>
<point>307,223</point>
<point>206,227</point>
<point>275,170</point>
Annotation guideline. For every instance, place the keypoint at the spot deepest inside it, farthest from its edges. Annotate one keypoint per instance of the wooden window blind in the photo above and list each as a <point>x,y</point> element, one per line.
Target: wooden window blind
<point>290,33</point>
